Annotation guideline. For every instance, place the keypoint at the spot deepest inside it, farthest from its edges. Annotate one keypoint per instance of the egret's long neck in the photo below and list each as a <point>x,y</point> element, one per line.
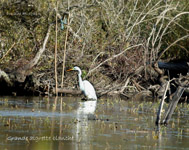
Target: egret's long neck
<point>80,80</point>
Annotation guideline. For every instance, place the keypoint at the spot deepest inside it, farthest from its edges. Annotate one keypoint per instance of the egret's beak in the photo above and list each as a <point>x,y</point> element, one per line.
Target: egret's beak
<point>70,69</point>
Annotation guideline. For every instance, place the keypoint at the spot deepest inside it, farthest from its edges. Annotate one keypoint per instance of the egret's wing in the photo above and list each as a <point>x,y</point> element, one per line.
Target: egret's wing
<point>89,90</point>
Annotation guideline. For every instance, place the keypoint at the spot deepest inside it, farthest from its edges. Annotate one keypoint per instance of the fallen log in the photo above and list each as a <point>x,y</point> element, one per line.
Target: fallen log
<point>67,91</point>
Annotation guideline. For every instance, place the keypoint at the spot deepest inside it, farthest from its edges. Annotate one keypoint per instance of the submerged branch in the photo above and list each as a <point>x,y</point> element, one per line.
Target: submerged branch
<point>158,119</point>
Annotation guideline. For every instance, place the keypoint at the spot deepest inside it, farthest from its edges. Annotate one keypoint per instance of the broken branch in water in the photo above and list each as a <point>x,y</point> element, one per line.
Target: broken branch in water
<point>158,119</point>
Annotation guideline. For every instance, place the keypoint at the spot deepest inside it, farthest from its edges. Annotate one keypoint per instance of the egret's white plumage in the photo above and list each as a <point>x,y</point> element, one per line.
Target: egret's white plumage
<point>85,86</point>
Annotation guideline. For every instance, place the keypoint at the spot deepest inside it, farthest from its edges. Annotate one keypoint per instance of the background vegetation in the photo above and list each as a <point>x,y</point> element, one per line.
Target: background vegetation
<point>108,39</point>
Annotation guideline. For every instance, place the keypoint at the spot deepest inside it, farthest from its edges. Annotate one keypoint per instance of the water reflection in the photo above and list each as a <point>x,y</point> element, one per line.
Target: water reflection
<point>86,109</point>
<point>84,128</point>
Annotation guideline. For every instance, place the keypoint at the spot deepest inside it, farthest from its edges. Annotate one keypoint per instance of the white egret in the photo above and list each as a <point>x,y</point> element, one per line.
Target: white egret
<point>85,86</point>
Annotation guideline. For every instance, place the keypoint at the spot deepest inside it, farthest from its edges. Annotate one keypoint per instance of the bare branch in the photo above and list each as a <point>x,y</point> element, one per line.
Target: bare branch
<point>35,60</point>
<point>113,57</point>
<point>5,77</point>
<point>172,44</point>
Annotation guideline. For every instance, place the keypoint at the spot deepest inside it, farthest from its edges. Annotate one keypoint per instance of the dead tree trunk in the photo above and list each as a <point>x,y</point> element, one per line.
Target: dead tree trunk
<point>10,80</point>
<point>25,70</point>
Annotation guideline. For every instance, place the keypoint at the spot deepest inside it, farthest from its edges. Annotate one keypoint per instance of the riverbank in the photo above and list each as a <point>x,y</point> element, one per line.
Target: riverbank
<point>132,49</point>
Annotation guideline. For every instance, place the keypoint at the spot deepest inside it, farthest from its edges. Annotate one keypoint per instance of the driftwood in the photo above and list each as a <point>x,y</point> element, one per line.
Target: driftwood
<point>158,119</point>
<point>174,69</point>
<point>183,85</point>
<point>173,104</point>
<point>68,91</point>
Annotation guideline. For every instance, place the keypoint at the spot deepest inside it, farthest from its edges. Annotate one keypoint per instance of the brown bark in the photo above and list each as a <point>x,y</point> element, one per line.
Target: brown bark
<point>24,70</point>
<point>68,91</point>
<point>35,60</point>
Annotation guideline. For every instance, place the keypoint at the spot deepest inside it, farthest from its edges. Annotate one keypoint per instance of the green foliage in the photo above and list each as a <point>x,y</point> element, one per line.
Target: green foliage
<point>84,73</point>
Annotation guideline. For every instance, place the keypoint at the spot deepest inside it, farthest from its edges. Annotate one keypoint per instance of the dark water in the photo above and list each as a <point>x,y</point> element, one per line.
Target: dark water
<point>38,123</point>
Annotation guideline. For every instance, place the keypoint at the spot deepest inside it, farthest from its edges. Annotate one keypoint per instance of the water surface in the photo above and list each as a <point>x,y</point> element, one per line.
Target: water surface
<point>69,123</point>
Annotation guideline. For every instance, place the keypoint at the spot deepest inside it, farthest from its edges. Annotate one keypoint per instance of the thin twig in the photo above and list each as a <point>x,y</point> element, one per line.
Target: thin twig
<point>165,29</point>
<point>8,51</point>
<point>113,57</point>
<point>125,86</point>
<point>101,53</point>
<point>15,43</point>
<point>161,54</point>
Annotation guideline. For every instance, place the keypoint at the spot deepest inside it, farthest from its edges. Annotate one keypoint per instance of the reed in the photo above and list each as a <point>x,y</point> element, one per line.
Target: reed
<point>55,56</point>
<point>65,49</point>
